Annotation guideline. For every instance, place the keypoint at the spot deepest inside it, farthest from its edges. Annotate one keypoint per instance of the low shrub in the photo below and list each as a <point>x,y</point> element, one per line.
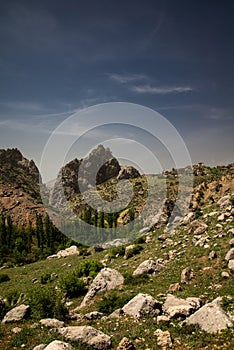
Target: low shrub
<point>46,278</point>
<point>4,277</point>
<point>131,280</point>
<point>133,251</point>
<point>12,297</point>
<point>46,303</point>
<point>111,302</point>
<point>118,251</point>
<point>88,268</point>
<point>72,285</point>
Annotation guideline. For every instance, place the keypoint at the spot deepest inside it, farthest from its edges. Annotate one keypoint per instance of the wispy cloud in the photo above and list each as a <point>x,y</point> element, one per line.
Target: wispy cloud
<point>161,90</point>
<point>127,78</point>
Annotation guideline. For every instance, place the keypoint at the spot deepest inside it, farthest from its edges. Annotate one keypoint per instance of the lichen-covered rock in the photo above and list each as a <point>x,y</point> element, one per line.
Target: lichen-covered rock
<point>141,305</point>
<point>177,307</point>
<point>51,322</point>
<point>86,335</point>
<point>150,267</point>
<point>106,280</point>
<point>210,317</point>
<point>16,314</point>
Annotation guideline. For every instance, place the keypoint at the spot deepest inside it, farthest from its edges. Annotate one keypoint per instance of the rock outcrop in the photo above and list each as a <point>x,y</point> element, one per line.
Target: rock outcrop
<point>177,307</point>
<point>141,305</point>
<point>18,313</point>
<point>86,335</point>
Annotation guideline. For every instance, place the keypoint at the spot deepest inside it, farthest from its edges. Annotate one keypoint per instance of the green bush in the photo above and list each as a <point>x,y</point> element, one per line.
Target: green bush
<point>12,297</point>
<point>131,280</point>
<point>111,302</point>
<point>44,303</point>
<point>88,268</point>
<point>4,277</point>
<point>140,240</point>
<point>118,251</point>
<point>45,278</point>
<point>133,251</point>
<point>72,285</point>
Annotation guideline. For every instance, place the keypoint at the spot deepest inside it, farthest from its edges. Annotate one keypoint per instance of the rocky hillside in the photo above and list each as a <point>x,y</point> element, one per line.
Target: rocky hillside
<point>19,187</point>
<point>170,289</point>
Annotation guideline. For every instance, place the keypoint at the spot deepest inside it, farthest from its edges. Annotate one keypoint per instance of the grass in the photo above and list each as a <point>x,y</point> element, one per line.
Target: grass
<point>205,283</point>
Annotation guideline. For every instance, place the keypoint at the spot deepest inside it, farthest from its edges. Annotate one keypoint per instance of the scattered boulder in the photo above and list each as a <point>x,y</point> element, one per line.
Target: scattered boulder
<point>231,265</point>
<point>73,250</point>
<point>58,345</point>
<point>86,335</point>
<point>230,255</point>
<point>125,344</point>
<point>210,317</point>
<point>224,201</point>
<point>163,339</point>
<point>16,314</point>
<point>212,255</point>
<point>221,217</point>
<point>94,315</point>
<point>163,319</point>
<point>231,242</point>
<point>142,304</point>
<point>197,227</point>
<point>51,322</point>
<point>40,347</point>
<point>174,288</point>
<point>186,275</point>
<point>116,314</point>
<point>16,330</point>
<point>188,218</point>
<point>177,307</point>
<point>106,280</point>
<point>225,275</point>
<point>149,266</point>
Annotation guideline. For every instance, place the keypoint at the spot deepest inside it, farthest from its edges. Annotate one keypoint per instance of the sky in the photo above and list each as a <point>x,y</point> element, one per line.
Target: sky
<point>174,57</point>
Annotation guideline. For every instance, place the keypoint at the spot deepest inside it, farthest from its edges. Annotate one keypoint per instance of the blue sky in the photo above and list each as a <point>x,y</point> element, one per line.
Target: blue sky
<point>175,57</point>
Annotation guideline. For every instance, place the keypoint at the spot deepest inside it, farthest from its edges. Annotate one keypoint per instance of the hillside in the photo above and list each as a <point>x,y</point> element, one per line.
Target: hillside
<point>162,287</point>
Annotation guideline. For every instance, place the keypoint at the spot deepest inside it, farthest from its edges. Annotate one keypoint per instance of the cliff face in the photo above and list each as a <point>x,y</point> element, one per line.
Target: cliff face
<point>19,187</point>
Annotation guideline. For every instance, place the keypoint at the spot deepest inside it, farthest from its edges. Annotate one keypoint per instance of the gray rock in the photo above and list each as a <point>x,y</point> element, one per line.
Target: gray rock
<point>177,307</point>
<point>106,280</point>
<point>231,265</point>
<point>148,266</point>
<point>94,315</point>
<point>86,335</point>
<point>174,288</point>
<point>231,242</point>
<point>51,322</point>
<point>197,227</point>
<point>230,255</point>
<point>16,314</point>
<point>225,275</point>
<point>73,250</point>
<point>125,344</point>
<point>188,218</point>
<point>212,255</point>
<point>163,339</point>
<point>59,345</point>
<point>210,317</point>
<point>116,314</point>
<point>40,347</point>
<point>224,201</point>
<point>142,304</point>
<point>186,275</point>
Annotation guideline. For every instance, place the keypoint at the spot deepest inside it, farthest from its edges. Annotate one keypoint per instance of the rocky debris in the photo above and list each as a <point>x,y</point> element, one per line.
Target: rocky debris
<point>230,255</point>
<point>16,330</point>
<point>86,335</point>
<point>16,314</point>
<point>197,227</point>
<point>116,314</point>
<point>188,218</point>
<point>150,267</point>
<point>40,347</point>
<point>163,319</point>
<point>73,250</point>
<point>93,315</point>
<point>231,231</point>
<point>231,265</point>
<point>142,304</point>
<point>210,317</point>
<point>106,280</point>
<point>51,322</point>
<point>224,201</point>
<point>177,307</point>
<point>127,172</point>
<point>53,276</point>
<point>58,345</point>
<point>126,344</point>
<point>174,288</point>
<point>163,339</point>
<point>212,255</point>
<point>186,275</point>
<point>225,275</point>
<point>231,242</point>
